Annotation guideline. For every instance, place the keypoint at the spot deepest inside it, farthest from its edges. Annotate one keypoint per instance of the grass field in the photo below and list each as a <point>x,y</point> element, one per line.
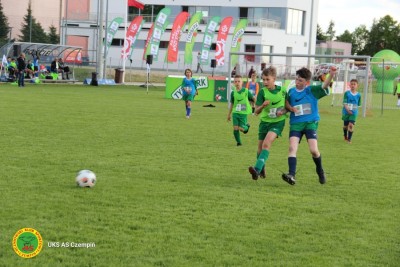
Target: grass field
<point>176,192</point>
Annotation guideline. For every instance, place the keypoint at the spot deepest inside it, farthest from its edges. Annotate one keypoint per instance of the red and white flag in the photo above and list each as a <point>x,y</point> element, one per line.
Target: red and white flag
<point>176,31</point>
<point>131,36</point>
<point>221,40</point>
<point>136,3</point>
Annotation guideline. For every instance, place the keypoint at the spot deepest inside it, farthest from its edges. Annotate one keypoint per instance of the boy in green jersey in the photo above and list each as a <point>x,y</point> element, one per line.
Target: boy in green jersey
<point>239,108</point>
<point>270,106</point>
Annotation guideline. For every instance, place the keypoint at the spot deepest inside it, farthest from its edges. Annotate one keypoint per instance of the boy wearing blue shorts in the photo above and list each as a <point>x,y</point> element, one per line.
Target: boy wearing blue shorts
<point>351,102</point>
<point>239,108</point>
<point>302,102</point>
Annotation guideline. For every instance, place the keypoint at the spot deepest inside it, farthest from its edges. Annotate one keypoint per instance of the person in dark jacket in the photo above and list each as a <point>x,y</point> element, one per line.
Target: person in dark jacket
<point>21,65</point>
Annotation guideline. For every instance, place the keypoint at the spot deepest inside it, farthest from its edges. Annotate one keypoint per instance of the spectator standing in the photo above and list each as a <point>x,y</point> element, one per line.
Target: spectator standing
<point>21,65</point>
<point>252,70</point>
<point>199,63</point>
<point>397,91</point>
<point>35,59</point>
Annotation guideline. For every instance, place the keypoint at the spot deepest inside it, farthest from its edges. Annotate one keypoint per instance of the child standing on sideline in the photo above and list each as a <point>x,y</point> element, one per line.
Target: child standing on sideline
<point>189,90</point>
<point>397,91</point>
<point>240,101</point>
<point>302,102</point>
<point>270,106</point>
<point>351,102</point>
<point>253,87</point>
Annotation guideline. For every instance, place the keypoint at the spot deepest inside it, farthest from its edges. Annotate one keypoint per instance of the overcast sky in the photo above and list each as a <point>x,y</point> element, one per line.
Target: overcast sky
<point>349,14</point>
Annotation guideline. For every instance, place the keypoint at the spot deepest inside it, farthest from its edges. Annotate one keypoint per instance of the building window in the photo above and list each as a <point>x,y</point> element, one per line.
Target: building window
<point>163,44</point>
<point>268,50</point>
<point>295,22</point>
<point>252,49</point>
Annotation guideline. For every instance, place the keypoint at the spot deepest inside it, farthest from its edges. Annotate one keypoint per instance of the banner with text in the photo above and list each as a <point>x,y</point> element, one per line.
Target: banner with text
<point>207,39</point>
<point>159,27</point>
<point>111,30</point>
<point>221,40</point>
<point>176,32</point>
<point>146,44</point>
<point>191,36</point>
<point>131,36</point>
<point>237,39</point>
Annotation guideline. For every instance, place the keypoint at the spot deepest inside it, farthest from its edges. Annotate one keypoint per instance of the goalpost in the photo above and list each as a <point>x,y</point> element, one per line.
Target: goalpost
<point>287,64</point>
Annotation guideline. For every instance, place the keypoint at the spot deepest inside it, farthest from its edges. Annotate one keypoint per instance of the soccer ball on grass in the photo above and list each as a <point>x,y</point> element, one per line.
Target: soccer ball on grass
<point>86,178</point>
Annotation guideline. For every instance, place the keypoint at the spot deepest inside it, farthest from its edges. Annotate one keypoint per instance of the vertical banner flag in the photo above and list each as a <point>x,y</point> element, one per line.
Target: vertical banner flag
<point>159,27</point>
<point>207,39</point>
<point>191,36</point>
<point>173,46</point>
<point>131,36</point>
<point>221,40</point>
<point>111,30</point>
<point>4,61</point>
<point>146,44</point>
<point>237,39</point>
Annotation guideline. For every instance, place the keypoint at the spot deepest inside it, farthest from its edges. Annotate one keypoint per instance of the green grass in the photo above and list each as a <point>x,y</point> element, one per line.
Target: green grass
<point>176,192</point>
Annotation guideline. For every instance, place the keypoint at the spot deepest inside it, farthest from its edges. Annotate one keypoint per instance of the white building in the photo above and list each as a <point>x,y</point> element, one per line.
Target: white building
<point>275,26</point>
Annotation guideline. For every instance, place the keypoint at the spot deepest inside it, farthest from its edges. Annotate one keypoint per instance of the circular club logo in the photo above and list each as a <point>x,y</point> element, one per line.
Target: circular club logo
<point>27,242</point>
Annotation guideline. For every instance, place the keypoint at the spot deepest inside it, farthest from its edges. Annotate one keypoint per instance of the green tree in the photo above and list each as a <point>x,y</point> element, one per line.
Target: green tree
<point>53,37</point>
<point>320,34</point>
<point>4,27</point>
<point>360,37</point>
<point>330,33</point>
<point>384,34</point>
<point>32,31</point>
<point>345,37</point>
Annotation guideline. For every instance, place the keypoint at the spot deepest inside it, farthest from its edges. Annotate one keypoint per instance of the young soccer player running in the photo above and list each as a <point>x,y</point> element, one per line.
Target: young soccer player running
<point>189,89</point>
<point>239,108</point>
<point>351,102</point>
<point>270,106</point>
<point>302,102</point>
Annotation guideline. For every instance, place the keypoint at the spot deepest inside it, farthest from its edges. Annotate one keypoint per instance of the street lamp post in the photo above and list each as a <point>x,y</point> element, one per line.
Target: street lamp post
<point>10,31</point>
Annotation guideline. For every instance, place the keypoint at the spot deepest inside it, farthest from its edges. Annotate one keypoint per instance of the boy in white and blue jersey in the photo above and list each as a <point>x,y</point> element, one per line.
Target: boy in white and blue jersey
<point>351,102</point>
<point>302,102</point>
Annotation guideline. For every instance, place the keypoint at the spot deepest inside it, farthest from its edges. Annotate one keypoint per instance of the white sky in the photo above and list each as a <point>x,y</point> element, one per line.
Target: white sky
<point>349,14</point>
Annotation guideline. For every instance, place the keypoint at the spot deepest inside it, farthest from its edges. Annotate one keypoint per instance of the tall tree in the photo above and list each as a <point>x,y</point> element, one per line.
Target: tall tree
<point>384,34</point>
<point>330,33</point>
<point>53,37</point>
<point>32,31</point>
<point>360,37</point>
<point>4,27</point>
<point>345,37</point>
<point>320,35</point>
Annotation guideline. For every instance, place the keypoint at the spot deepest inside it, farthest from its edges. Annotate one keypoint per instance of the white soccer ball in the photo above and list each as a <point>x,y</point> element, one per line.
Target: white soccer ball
<point>218,97</point>
<point>86,178</point>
